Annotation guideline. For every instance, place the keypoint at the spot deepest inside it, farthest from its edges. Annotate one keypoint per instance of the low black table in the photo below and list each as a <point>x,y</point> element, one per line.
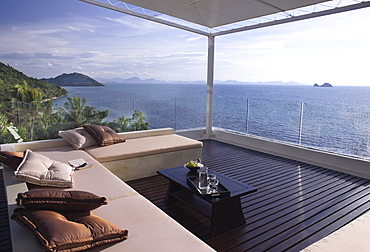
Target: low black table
<point>225,211</point>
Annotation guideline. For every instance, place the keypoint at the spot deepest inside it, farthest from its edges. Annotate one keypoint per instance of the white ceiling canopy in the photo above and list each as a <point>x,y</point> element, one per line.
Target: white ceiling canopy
<point>220,17</point>
<point>214,13</point>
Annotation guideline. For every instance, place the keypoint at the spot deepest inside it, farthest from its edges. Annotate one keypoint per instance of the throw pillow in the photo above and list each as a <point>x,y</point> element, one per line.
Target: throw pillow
<point>81,230</point>
<point>79,138</point>
<point>11,158</point>
<point>60,200</point>
<point>40,170</point>
<point>103,134</point>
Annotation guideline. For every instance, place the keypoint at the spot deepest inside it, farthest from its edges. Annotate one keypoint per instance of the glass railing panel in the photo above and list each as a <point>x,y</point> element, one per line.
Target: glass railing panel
<point>190,113</point>
<point>230,114</point>
<point>28,121</point>
<point>341,129</point>
<point>158,112</point>
<point>116,108</point>
<point>277,120</point>
<point>177,113</point>
<point>265,118</point>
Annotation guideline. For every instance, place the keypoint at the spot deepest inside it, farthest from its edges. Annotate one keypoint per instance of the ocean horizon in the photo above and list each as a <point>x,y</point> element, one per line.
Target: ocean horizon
<point>333,118</point>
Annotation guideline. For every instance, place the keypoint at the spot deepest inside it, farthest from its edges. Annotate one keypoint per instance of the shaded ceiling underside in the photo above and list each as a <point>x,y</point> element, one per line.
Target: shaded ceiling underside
<point>219,17</point>
<point>214,13</point>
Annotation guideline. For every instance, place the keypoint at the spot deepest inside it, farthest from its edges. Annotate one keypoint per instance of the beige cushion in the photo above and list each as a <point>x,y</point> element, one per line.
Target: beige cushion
<point>79,138</point>
<point>142,147</point>
<point>40,170</point>
<point>97,179</point>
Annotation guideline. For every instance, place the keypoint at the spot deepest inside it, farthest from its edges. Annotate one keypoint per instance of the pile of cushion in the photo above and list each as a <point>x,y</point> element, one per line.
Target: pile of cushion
<point>40,170</point>
<point>60,220</point>
<point>91,135</point>
<point>63,221</point>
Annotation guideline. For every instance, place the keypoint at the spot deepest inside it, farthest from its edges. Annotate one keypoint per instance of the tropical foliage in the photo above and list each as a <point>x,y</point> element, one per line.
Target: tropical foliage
<point>123,124</point>
<point>25,110</point>
<point>10,77</point>
<point>37,120</point>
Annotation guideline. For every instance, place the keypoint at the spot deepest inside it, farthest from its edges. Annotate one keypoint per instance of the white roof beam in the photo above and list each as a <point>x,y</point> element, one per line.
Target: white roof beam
<point>136,14</point>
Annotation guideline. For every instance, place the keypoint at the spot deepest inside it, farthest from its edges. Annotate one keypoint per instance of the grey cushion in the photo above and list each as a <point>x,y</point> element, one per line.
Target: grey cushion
<point>79,138</point>
<point>40,170</point>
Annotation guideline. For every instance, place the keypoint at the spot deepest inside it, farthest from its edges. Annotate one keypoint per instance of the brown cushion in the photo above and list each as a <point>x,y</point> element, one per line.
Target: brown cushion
<point>79,138</point>
<point>67,231</point>
<point>60,200</point>
<point>103,134</point>
<point>11,158</point>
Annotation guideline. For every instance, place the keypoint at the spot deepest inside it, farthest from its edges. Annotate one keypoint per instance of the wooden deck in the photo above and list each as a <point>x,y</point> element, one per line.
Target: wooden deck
<point>296,204</point>
<point>5,243</point>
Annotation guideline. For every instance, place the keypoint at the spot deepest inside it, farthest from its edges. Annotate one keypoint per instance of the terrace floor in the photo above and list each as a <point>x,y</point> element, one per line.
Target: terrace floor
<point>296,203</point>
<point>5,243</point>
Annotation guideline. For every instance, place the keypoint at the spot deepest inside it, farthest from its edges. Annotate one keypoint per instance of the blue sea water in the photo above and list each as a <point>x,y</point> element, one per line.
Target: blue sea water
<point>335,119</point>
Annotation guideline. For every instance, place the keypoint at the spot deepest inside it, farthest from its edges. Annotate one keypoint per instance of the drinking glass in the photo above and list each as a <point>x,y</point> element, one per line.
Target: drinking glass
<point>212,183</point>
<point>211,176</point>
<point>203,175</point>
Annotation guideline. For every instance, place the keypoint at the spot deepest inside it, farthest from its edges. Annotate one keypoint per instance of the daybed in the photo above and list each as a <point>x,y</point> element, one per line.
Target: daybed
<point>150,229</point>
<point>352,237</point>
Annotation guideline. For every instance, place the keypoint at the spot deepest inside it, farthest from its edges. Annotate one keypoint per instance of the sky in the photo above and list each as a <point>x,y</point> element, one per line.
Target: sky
<point>45,38</point>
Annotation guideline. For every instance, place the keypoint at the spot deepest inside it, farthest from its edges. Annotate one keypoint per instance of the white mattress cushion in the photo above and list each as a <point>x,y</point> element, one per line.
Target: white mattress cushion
<point>150,229</point>
<point>140,147</point>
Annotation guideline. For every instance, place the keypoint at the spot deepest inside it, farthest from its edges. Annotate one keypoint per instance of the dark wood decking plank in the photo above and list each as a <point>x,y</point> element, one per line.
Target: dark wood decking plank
<point>296,203</point>
<point>5,241</point>
<point>290,193</point>
<point>293,224</point>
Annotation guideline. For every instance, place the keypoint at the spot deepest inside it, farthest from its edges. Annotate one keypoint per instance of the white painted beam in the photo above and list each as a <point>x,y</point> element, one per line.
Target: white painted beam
<point>210,76</point>
<point>143,16</point>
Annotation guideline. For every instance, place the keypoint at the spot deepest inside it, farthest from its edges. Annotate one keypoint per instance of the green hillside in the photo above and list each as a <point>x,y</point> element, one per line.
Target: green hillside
<point>9,77</point>
<point>73,79</point>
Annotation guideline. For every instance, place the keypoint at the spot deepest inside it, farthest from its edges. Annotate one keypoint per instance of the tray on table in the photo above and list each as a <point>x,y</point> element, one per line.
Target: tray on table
<point>221,191</point>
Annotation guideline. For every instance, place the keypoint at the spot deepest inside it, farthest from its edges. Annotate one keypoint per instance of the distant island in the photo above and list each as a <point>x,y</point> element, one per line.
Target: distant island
<point>72,79</point>
<point>323,85</point>
<point>134,80</point>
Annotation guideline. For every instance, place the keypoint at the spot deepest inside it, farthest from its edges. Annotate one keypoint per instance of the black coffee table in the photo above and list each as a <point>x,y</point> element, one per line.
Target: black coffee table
<point>225,211</point>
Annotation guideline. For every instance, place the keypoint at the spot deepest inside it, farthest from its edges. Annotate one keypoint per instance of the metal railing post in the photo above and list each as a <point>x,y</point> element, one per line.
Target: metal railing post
<point>301,124</point>
<point>247,118</point>
<point>176,123</point>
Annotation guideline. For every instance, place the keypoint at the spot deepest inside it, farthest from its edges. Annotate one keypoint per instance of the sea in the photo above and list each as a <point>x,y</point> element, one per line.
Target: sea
<point>334,119</point>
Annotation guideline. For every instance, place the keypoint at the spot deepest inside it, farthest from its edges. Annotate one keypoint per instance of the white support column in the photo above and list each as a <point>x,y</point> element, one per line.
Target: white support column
<point>210,71</point>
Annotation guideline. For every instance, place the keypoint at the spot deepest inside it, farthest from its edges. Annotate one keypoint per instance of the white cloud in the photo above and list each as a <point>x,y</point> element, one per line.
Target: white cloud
<point>109,45</point>
<point>327,49</point>
<point>195,38</point>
